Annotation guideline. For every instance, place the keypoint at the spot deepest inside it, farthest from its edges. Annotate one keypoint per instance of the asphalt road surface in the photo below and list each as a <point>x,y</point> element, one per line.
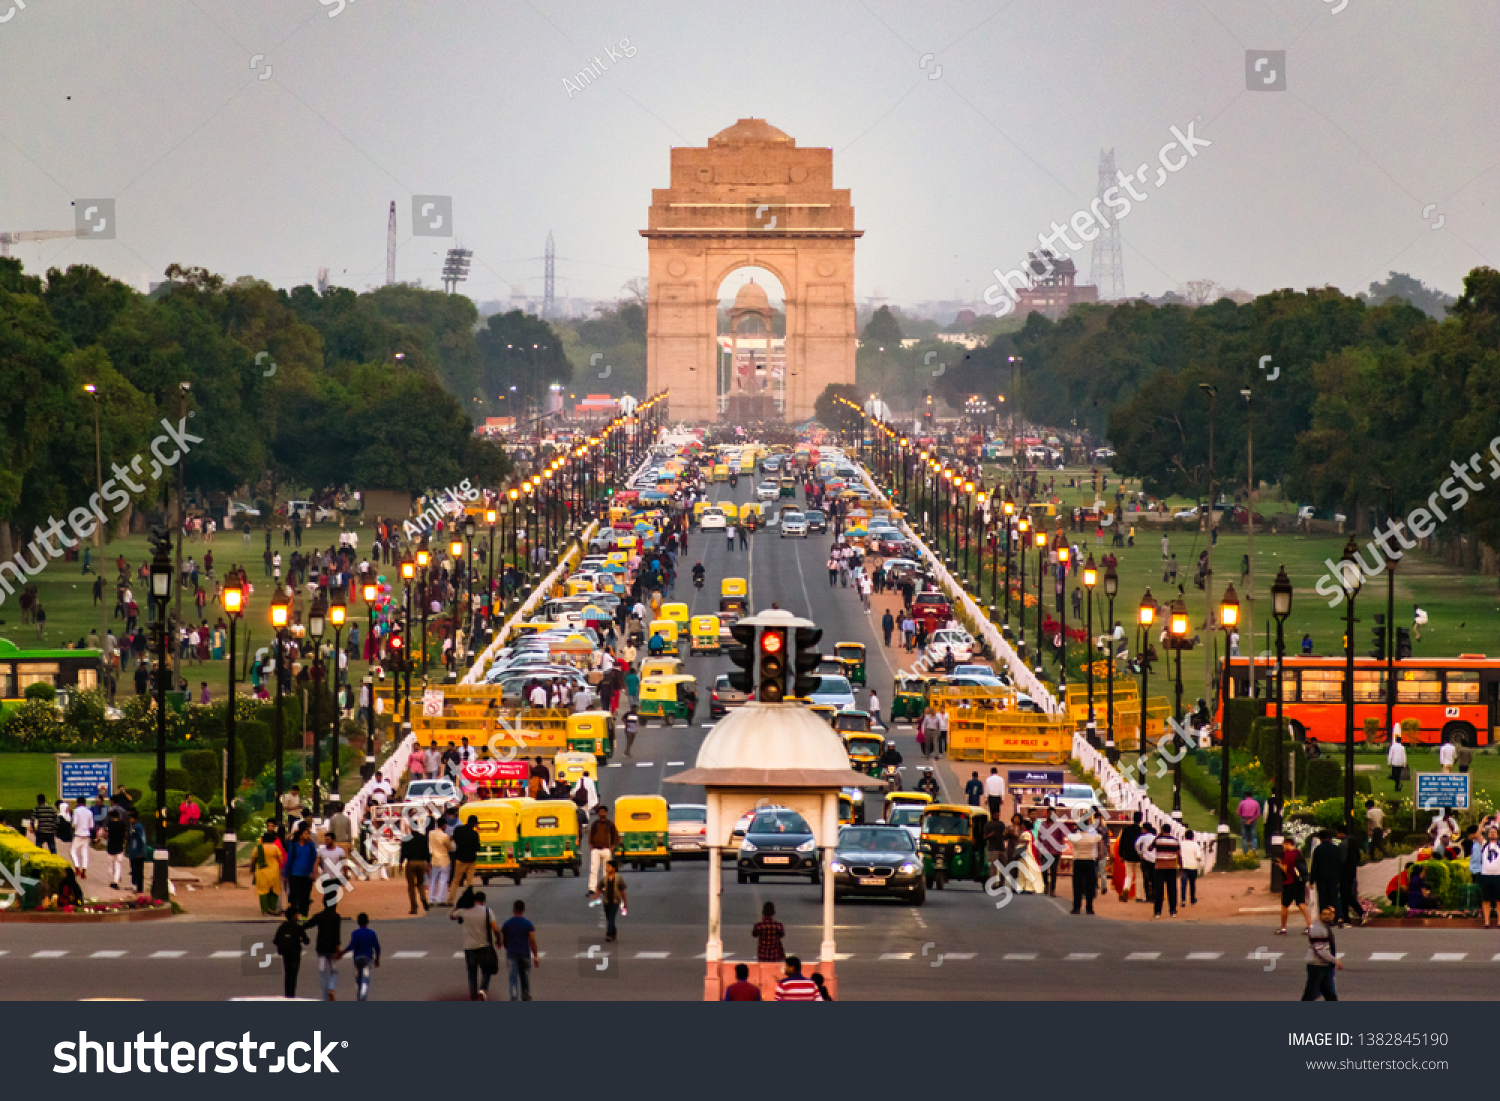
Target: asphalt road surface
<point>959,945</point>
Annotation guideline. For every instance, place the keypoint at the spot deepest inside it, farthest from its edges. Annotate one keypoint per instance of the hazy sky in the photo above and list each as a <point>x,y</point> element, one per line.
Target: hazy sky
<point>955,161</point>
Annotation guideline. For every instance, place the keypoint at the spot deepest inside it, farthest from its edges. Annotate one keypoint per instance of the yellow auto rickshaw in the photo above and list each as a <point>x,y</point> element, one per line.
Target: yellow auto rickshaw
<point>853,654</point>
<point>721,472</point>
<point>662,667</point>
<point>731,511</point>
<point>568,766</point>
<point>668,699</point>
<point>698,507</point>
<point>666,630</point>
<point>752,509</point>
<point>678,613</point>
<point>846,809</point>
<point>824,711</point>
<point>580,586</point>
<point>906,799</point>
<point>705,635</point>
<point>642,822</point>
<point>499,837</point>
<point>852,721</point>
<point>864,751</point>
<point>734,586</point>
<point>549,836</point>
<point>592,732</point>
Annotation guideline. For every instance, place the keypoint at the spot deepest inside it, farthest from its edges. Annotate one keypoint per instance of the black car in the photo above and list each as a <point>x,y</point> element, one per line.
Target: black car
<point>877,860</point>
<point>778,841</point>
<point>816,521</point>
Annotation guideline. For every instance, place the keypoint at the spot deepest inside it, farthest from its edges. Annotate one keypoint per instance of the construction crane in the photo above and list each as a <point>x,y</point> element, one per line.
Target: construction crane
<point>20,236</point>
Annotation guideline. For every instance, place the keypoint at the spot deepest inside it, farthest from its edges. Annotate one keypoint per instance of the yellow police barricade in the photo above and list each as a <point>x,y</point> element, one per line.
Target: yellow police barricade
<point>1024,737</point>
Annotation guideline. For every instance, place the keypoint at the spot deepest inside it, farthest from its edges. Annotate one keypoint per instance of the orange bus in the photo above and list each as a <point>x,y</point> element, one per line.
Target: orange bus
<point>1448,697</point>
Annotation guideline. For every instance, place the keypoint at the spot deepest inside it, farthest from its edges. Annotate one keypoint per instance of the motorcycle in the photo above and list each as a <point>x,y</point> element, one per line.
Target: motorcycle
<point>891,774</point>
<point>698,581</point>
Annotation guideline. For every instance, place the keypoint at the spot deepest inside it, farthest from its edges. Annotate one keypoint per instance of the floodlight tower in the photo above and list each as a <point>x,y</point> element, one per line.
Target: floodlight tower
<point>1106,266</point>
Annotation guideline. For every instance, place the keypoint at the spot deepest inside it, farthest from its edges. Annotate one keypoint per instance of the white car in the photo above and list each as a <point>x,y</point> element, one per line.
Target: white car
<point>237,508</point>
<point>687,827</point>
<point>767,491</point>
<point>1186,513</point>
<point>713,519</point>
<point>956,640</point>
<point>793,523</point>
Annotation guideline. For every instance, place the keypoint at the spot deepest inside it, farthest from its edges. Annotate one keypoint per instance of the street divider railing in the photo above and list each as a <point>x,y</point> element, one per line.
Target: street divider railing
<point>1020,675</point>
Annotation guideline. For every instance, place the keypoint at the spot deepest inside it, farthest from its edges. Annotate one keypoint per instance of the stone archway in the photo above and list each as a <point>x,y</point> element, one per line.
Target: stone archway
<point>751,198</point>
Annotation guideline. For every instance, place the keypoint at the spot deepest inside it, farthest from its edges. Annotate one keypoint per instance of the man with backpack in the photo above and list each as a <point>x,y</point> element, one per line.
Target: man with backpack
<point>1131,859</point>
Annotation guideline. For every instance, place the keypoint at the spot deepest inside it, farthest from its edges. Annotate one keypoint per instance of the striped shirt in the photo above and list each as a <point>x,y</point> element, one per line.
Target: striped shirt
<point>1168,851</point>
<point>45,821</point>
<point>795,988</point>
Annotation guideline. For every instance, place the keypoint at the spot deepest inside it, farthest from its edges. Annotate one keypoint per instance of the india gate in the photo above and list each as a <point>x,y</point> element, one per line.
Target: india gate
<point>751,198</point>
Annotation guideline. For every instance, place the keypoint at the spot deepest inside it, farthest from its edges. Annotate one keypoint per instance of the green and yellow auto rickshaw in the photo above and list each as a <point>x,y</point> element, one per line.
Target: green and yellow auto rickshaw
<point>592,732</point>
<point>852,721</point>
<point>953,844</point>
<point>549,836</point>
<point>499,838</point>
<point>909,697</point>
<point>705,635</point>
<point>864,751</point>
<point>670,699</point>
<point>853,654</point>
<point>642,822</point>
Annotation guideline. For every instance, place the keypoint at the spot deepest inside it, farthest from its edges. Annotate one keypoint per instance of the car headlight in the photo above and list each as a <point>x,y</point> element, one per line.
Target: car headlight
<point>746,847</point>
<point>835,866</point>
<point>808,846</point>
<point>859,795</point>
<point>908,868</point>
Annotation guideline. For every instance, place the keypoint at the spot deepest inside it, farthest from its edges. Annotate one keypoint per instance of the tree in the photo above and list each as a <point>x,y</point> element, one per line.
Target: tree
<point>883,330</point>
<point>520,356</point>
<point>1431,301</point>
<point>833,413</point>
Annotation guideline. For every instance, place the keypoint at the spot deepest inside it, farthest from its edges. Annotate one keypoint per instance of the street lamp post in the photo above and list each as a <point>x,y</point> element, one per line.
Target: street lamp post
<point>469,528</point>
<point>316,622</point>
<point>1009,510</point>
<point>1111,587</point>
<point>1145,615</point>
<point>408,575</point>
<point>161,595</point>
<point>1064,553</point>
<point>1352,577</point>
<point>1040,539</point>
<point>93,392</point>
<point>370,590</point>
<point>280,612</point>
<point>1090,579</point>
<point>233,599</point>
<point>1229,617</point>
<point>1023,526</point>
<point>455,552</point>
<point>337,613</point>
<point>1281,607</point>
<point>490,516</point>
<point>1178,625</point>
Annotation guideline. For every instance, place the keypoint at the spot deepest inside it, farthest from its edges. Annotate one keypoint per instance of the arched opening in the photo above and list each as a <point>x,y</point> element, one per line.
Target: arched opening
<point>750,353</point>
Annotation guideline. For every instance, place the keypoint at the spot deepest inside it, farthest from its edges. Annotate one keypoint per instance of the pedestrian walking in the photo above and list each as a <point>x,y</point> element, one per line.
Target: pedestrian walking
<point>974,789</point>
<point>612,891</point>
<point>603,837</point>
<point>744,537</point>
<point>875,710</point>
<point>1322,958</point>
<point>440,863</point>
<point>415,857</point>
<point>1167,862</point>
<point>465,855</point>
<point>1249,814</point>
<point>364,946</point>
<point>1293,883</point>
<point>1396,756</point>
<point>82,823</point>
<point>1350,849</point>
<point>632,727</point>
<point>518,935</point>
<point>994,792</point>
<point>1325,871</point>
<point>328,945</point>
<point>888,626</point>
<point>301,864</point>
<point>115,829</point>
<point>44,825</point>
<point>769,934</point>
<point>729,537</point>
<point>1191,853</point>
<point>266,868</point>
<point>1086,845</point>
<point>288,941</point>
<point>942,733</point>
<point>481,960</point>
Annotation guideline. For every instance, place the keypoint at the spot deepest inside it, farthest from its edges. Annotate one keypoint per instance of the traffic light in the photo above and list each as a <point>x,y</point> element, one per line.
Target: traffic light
<point>398,650</point>
<point>1378,634</point>
<point>742,653</point>
<point>804,684</point>
<point>772,664</point>
<point>1403,643</point>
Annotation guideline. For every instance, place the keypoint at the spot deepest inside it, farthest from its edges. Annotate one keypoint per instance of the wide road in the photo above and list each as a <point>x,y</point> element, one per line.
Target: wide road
<point>959,945</point>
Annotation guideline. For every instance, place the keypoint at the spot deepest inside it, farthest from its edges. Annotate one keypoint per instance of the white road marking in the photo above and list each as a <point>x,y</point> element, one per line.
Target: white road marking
<point>107,954</point>
<point>1204,955</point>
<point>614,765</point>
<point>1020,955</point>
<point>895,955</point>
<point>1448,957</point>
<point>675,764</point>
<point>958,955</point>
<point>408,955</point>
<point>226,955</point>
<point>645,764</point>
<point>168,954</point>
<point>49,954</point>
<point>1259,955</point>
<point>843,956</point>
<point>1144,956</point>
<point>652,955</point>
<point>1387,957</point>
<point>1082,956</point>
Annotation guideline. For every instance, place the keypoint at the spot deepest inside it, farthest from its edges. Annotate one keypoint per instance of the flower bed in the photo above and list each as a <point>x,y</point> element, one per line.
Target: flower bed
<point>139,908</point>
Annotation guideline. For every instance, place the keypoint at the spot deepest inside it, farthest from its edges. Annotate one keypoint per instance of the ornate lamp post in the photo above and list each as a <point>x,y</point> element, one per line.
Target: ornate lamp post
<point>1023,525</point>
<point>455,552</point>
<point>408,574</point>
<point>1281,607</point>
<point>280,617</point>
<point>1111,587</point>
<point>1178,627</point>
<point>161,595</point>
<point>424,559</point>
<point>1090,579</point>
<point>1229,617</point>
<point>1352,578</point>
<point>490,517</point>
<point>233,599</point>
<point>1064,552</point>
<point>1039,538</point>
<point>1145,616</point>
<point>1009,510</point>
<point>316,622</point>
<point>369,590</point>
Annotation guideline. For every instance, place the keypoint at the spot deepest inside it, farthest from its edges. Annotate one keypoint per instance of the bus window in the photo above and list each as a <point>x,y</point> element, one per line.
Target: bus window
<point>1322,685</point>
<point>1369,685</point>
<point>36,673</point>
<point>1419,686</point>
<point>1463,687</point>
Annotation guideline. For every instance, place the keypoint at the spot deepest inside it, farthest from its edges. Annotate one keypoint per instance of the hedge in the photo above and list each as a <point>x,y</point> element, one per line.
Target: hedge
<point>204,768</point>
<point>255,737</point>
<point>1239,714</point>
<point>32,862</point>
<point>189,849</point>
<point>1447,883</point>
<point>1325,779</point>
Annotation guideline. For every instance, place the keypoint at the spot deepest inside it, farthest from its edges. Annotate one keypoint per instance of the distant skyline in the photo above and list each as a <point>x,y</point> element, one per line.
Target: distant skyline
<point>268,137</point>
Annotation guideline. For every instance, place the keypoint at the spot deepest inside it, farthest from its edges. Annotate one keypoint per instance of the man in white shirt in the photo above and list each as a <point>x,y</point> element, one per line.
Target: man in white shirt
<point>994,792</point>
<point>1192,864</point>
<point>1447,754</point>
<point>83,836</point>
<point>1396,758</point>
<point>539,696</point>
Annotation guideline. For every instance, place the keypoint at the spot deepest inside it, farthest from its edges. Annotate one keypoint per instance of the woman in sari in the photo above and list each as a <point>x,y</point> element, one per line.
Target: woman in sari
<point>267,868</point>
<point>1029,874</point>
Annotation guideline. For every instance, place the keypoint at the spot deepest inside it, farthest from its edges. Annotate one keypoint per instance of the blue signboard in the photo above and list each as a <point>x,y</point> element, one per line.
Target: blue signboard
<point>1436,790</point>
<point>1036,778</point>
<point>81,778</point>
